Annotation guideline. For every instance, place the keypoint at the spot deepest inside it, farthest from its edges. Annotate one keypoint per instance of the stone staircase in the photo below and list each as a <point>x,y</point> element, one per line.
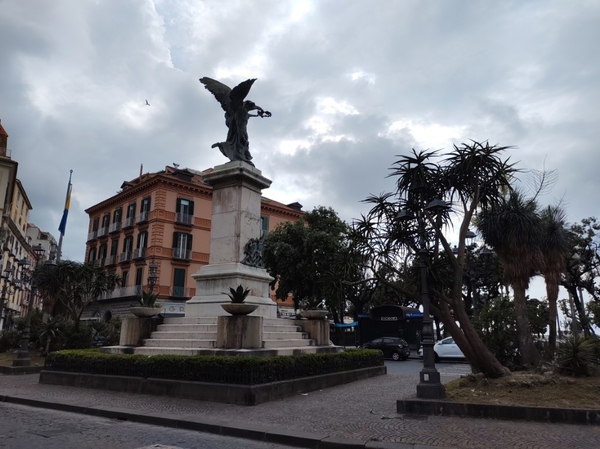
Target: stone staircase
<point>198,335</point>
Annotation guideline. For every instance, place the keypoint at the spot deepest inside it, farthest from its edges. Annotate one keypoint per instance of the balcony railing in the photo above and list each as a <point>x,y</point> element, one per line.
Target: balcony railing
<point>181,292</point>
<point>139,253</point>
<point>123,292</point>
<point>103,231</point>
<point>101,262</point>
<point>179,253</point>
<point>128,222</point>
<point>185,219</point>
<point>115,227</point>
<point>125,256</point>
<point>92,235</point>
<point>111,260</point>
<point>142,217</point>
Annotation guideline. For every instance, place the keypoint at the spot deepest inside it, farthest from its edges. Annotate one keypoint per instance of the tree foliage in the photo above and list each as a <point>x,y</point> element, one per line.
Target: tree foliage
<point>469,177</point>
<point>309,258</point>
<point>75,285</point>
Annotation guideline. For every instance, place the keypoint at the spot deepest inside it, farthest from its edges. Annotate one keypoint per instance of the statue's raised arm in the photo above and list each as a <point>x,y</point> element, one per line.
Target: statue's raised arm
<point>237,112</point>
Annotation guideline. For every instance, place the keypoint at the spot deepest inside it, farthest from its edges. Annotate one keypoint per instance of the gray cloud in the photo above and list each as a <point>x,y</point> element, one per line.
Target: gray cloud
<point>351,85</point>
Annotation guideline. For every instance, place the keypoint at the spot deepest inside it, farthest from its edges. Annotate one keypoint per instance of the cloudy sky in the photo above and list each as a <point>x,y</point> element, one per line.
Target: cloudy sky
<point>351,84</point>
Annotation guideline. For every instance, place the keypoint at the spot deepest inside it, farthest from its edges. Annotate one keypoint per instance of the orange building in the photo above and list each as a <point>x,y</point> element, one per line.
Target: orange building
<point>163,217</point>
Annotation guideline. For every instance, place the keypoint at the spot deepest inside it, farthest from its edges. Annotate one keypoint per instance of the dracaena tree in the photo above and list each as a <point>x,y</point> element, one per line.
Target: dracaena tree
<point>470,177</point>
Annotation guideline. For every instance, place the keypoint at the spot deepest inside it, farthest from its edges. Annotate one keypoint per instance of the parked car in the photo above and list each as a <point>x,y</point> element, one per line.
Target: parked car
<point>394,348</point>
<point>445,349</point>
<point>99,341</point>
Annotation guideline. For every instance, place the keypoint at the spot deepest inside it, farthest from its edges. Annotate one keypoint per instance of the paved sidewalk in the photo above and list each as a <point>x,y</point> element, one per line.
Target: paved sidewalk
<point>362,413</point>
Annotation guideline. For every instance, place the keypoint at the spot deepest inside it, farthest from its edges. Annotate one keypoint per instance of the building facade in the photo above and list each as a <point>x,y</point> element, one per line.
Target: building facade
<point>16,250</point>
<point>165,218</point>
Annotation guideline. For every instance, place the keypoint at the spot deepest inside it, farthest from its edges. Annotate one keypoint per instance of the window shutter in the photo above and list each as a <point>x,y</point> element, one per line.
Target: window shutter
<point>191,208</point>
<point>178,206</point>
<point>189,242</point>
<point>175,239</point>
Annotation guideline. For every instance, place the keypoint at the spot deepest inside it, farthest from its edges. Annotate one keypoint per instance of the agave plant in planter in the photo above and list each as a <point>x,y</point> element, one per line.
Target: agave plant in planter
<point>148,305</point>
<point>237,306</point>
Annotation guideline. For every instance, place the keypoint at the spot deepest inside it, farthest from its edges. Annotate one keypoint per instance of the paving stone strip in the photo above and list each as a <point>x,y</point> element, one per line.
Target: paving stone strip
<point>361,414</point>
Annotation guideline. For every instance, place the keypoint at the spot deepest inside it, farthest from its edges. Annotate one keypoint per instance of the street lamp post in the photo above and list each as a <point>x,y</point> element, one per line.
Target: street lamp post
<point>27,277</point>
<point>8,272</point>
<point>152,275</point>
<point>429,386</point>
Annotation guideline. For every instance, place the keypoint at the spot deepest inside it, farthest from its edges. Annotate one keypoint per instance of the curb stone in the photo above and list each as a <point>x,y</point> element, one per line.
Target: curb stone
<point>221,427</point>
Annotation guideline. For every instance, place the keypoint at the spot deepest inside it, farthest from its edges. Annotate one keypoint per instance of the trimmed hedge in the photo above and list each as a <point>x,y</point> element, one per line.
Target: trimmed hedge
<point>219,369</point>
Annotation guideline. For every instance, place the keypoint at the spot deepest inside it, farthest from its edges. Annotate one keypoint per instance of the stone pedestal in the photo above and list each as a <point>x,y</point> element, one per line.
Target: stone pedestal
<point>236,201</point>
<point>317,330</point>
<point>135,330</point>
<point>239,332</point>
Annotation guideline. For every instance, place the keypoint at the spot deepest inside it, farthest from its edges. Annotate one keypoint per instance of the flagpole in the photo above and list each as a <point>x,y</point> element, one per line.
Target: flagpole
<point>60,240</point>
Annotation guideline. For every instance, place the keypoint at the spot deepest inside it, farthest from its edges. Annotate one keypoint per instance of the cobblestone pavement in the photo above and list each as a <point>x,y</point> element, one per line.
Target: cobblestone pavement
<point>53,429</point>
<point>360,410</point>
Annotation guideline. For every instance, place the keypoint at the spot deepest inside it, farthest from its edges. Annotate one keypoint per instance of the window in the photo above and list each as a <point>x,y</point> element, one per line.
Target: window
<point>145,206</point>
<point>131,210</point>
<point>128,244</point>
<point>92,255</point>
<point>95,224</point>
<point>105,220</point>
<point>102,253</point>
<point>179,282</point>
<point>144,209</point>
<point>129,216</point>
<point>184,211</point>
<point>124,278</point>
<point>182,245</point>
<point>114,247</point>
<point>117,215</point>
<point>139,274</point>
<point>264,225</point>
<point>142,239</point>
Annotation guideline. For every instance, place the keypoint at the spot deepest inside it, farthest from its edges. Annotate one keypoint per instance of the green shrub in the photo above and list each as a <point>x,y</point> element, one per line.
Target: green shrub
<point>218,369</point>
<point>78,338</point>
<point>9,339</point>
<point>577,356</point>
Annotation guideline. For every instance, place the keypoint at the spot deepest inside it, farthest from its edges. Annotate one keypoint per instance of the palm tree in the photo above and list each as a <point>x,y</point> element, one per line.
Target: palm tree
<point>514,229</point>
<point>555,247</point>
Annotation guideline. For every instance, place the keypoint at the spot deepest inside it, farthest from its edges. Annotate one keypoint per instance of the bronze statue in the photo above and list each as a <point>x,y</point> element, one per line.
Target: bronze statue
<point>237,112</point>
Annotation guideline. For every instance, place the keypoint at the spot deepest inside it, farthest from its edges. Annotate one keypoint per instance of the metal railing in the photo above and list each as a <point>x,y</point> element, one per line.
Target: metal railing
<point>142,217</point>
<point>139,253</point>
<point>115,227</point>
<point>182,218</point>
<point>179,253</point>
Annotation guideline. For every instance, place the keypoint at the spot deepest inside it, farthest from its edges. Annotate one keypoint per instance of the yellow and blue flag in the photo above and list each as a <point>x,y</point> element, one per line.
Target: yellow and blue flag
<point>63,221</point>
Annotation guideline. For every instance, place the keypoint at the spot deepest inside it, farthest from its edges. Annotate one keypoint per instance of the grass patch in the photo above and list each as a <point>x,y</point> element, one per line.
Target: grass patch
<point>6,358</point>
<point>527,389</point>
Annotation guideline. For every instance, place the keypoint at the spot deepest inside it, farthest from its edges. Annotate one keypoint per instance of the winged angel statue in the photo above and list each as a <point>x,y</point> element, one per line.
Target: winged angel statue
<point>237,112</point>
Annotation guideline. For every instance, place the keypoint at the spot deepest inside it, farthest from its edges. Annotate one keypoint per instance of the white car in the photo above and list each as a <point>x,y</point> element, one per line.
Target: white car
<point>445,349</point>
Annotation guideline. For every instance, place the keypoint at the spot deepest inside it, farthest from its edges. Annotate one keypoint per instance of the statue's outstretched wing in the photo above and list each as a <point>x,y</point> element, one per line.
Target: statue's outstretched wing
<point>220,91</point>
<point>239,93</point>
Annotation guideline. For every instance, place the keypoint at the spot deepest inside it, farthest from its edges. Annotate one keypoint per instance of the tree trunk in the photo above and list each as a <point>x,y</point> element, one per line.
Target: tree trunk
<point>530,356</point>
<point>468,340</point>
<point>552,295</point>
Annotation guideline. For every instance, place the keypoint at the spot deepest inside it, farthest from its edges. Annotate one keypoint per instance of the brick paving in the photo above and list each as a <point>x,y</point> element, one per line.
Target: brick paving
<point>362,411</point>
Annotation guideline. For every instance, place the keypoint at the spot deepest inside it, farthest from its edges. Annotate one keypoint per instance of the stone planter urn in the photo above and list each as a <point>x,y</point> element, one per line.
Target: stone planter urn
<point>239,308</point>
<point>145,312</point>
<point>314,314</point>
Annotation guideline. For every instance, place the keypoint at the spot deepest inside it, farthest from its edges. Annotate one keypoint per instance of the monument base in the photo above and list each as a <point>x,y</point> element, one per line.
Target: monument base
<point>214,281</point>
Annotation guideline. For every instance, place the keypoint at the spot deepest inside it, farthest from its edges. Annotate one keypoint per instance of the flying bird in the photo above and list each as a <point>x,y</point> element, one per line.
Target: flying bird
<point>147,104</point>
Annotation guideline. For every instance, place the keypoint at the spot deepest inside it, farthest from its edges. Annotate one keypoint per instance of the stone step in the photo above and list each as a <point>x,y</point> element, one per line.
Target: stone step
<point>191,320</point>
<point>183,335</point>
<point>284,335</point>
<point>187,327</point>
<point>269,352</point>
<point>180,343</point>
<point>279,321</point>
<point>276,344</point>
<point>278,328</point>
